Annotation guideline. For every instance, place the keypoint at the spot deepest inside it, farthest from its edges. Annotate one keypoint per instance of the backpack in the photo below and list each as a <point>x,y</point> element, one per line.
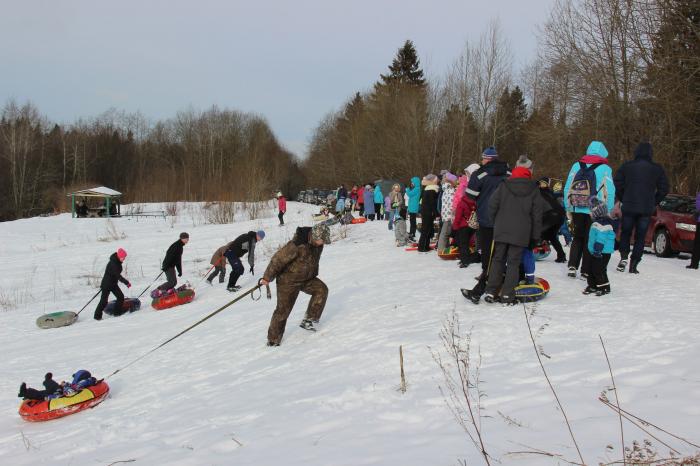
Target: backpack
<point>583,187</point>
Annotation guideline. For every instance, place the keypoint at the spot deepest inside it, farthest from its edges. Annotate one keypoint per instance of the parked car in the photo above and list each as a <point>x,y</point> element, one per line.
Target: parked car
<point>672,226</point>
<point>300,196</point>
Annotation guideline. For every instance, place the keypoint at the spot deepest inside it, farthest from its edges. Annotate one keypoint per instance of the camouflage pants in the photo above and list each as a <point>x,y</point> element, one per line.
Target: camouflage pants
<point>287,296</point>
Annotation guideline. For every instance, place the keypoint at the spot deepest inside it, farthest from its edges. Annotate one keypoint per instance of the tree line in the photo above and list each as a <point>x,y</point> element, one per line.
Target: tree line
<point>214,155</point>
<point>619,71</point>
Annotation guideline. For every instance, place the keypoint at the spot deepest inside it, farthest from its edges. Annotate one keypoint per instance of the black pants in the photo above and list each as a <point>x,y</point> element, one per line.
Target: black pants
<point>485,237</point>
<point>598,277</point>
<point>506,257</point>
<point>579,245</point>
<point>237,270</point>
<point>551,234</point>
<point>105,297</point>
<point>640,224</point>
<point>171,279</point>
<point>378,210</point>
<point>427,230</point>
<point>34,394</point>
<point>696,247</point>
<point>362,209</point>
<point>219,271</point>
<point>464,237</point>
<point>412,231</point>
<point>281,217</point>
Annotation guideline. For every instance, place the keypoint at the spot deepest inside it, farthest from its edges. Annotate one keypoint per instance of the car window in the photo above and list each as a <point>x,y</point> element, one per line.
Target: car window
<point>681,205</point>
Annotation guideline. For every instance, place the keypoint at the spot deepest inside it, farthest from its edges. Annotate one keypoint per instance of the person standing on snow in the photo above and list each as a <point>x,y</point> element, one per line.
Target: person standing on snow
<point>295,267</point>
<point>428,211</point>
<point>413,194</point>
<point>601,244</point>
<point>446,210</point>
<point>172,261</point>
<point>112,275</point>
<point>378,200</point>
<point>515,209</point>
<point>244,244</point>
<point>640,185</point>
<point>396,203</point>
<point>590,177</point>
<point>482,184</point>
<point>369,202</point>
<point>553,216</point>
<point>282,207</point>
<point>695,258</point>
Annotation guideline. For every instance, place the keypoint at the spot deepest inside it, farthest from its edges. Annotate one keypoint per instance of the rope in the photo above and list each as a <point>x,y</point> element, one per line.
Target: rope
<point>249,292</point>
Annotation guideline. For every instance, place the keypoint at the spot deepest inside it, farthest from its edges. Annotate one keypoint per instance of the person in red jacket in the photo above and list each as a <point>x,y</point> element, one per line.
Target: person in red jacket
<point>461,229</point>
<point>282,205</point>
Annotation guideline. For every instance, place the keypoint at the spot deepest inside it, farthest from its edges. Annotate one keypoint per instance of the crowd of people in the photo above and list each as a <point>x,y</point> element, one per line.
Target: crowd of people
<point>512,213</point>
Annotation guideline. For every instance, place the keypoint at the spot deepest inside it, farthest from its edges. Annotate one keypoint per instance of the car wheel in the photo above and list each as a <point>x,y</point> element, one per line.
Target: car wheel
<point>662,243</point>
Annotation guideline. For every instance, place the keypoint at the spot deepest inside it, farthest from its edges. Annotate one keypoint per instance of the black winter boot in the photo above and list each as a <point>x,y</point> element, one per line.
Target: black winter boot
<point>633,265</point>
<point>22,390</point>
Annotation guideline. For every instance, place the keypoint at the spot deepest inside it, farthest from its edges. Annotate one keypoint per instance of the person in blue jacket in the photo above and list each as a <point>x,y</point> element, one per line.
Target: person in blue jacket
<point>601,244</point>
<point>576,201</point>
<point>378,200</point>
<point>413,194</point>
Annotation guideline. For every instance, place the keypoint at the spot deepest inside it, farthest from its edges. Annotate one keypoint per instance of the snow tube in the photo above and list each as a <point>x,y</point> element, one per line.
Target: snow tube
<point>179,297</point>
<point>542,251</point>
<point>57,319</point>
<point>359,220</point>
<point>533,292</point>
<point>130,305</point>
<point>449,254</point>
<point>45,410</point>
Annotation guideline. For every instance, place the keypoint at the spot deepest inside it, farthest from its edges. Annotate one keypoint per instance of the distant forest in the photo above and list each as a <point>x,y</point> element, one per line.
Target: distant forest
<point>215,155</point>
<point>618,71</point>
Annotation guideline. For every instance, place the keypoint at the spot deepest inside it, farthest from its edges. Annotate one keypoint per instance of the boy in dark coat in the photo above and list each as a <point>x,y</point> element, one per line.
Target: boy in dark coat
<point>428,211</point>
<point>113,274</point>
<point>641,185</point>
<point>172,261</point>
<point>295,267</point>
<point>553,215</point>
<point>516,212</point>
<point>244,244</point>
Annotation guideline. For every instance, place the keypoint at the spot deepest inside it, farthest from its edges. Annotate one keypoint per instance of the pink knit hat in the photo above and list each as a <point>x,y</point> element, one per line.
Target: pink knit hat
<point>121,253</point>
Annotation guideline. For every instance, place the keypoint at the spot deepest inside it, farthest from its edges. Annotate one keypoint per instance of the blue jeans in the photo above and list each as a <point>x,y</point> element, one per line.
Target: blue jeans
<point>640,224</point>
<point>391,214</point>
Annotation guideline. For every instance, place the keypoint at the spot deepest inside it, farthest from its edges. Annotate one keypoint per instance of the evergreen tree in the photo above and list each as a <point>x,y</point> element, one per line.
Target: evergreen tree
<point>405,68</point>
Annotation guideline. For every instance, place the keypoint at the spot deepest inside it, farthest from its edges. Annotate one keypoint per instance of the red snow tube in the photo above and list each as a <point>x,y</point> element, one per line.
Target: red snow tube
<point>181,297</point>
<point>45,410</point>
<point>359,220</point>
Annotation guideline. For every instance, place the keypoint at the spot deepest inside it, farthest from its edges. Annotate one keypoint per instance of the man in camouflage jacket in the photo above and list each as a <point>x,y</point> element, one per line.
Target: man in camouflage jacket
<point>295,267</point>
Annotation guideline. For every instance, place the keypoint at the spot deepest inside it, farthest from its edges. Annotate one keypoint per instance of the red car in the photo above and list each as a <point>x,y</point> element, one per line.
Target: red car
<point>672,226</point>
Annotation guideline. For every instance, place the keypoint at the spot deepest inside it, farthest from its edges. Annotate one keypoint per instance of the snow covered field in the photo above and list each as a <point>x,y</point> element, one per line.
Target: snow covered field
<point>219,396</point>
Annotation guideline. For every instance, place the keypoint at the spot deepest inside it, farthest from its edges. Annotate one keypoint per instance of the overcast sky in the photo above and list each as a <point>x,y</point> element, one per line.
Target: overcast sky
<point>291,61</point>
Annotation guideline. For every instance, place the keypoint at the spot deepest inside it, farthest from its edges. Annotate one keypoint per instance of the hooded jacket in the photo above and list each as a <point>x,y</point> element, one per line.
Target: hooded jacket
<point>595,154</point>
<point>217,259</point>
<point>282,203</point>
<point>297,262</point>
<point>463,210</point>
<point>447,206</point>
<point>640,183</point>
<point>414,196</point>
<point>482,184</point>
<point>113,273</point>
<point>515,209</point>
<point>378,196</point>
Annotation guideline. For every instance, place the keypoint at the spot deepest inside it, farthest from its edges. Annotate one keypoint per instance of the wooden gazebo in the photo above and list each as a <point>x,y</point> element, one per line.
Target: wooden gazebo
<point>110,208</point>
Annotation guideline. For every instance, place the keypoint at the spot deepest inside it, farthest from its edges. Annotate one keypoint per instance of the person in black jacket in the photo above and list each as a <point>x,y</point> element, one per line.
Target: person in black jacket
<point>482,184</point>
<point>553,215</point>
<point>172,261</point>
<point>428,211</point>
<point>640,185</point>
<point>244,244</point>
<point>113,274</point>
<point>515,210</point>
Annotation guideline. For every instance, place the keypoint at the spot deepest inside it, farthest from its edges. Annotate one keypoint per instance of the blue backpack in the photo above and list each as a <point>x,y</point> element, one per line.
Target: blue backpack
<point>583,187</point>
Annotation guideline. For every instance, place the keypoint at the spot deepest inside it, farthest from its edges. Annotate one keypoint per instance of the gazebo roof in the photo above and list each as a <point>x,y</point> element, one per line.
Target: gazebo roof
<point>100,191</point>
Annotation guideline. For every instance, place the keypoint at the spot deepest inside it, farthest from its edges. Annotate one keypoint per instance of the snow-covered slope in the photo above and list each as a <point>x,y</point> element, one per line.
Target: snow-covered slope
<point>217,395</point>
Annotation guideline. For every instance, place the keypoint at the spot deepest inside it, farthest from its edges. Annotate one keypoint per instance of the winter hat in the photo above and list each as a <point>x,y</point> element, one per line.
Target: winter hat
<point>321,232</point>
<point>450,178</point>
<point>472,168</point>
<point>368,187</point>
<point>524,161</point>
<point>598,209</point>
<point>489,153</point>
<point>429,179</point>
<point>521,172</point>
<point>184,235</point>
<point>261,234</point>
<point>279,194</point>
<point>121,253</point>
